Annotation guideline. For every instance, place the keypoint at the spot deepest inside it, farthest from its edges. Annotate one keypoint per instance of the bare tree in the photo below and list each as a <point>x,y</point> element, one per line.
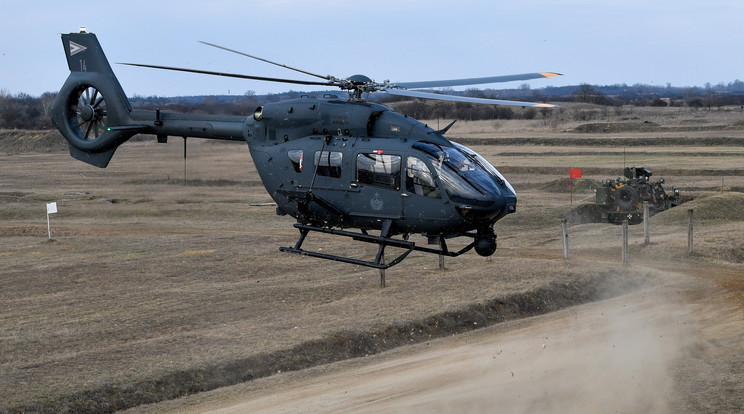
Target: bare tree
<point>45,103</point>
<point>587,93</point>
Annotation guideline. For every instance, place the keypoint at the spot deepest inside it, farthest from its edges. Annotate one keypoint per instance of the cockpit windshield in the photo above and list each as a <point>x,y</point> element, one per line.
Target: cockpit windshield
<point>485,164</point>
<point>465,175</point>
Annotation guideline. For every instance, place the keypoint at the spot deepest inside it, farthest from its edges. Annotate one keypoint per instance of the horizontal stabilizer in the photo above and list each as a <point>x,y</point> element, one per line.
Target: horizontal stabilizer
<point>98,159</point>
<point>136,128</point>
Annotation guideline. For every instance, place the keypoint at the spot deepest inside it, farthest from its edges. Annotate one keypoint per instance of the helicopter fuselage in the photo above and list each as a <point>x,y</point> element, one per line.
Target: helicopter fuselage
<point>364,163</point>
<point>333,164</point>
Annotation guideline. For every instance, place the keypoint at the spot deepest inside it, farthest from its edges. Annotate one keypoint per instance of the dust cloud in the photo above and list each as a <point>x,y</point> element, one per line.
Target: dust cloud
<point>609,356</point>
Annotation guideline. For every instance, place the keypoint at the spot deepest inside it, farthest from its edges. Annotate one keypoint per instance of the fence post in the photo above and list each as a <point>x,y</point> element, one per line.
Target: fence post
<point>565,238</point>
<point>689,231</point>
<point>646,223</point>
<point>625,242</point>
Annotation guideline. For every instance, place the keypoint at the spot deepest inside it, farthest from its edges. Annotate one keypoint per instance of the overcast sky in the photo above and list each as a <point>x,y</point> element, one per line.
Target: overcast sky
<point>681,42</point>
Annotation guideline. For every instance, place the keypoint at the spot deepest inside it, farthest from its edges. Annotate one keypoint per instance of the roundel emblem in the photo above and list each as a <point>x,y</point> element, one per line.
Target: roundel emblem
<point>376,202</point>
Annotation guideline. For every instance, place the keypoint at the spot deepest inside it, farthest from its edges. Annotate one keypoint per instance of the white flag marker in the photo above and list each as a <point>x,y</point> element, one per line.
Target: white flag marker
<point>51,209</point>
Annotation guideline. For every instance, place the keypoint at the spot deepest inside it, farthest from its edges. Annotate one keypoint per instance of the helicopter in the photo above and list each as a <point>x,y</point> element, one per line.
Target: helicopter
<point>345,167</point>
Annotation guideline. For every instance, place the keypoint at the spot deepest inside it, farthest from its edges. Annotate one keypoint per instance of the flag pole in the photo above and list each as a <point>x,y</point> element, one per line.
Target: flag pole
<point>51,208</point>
<point>573,173</point>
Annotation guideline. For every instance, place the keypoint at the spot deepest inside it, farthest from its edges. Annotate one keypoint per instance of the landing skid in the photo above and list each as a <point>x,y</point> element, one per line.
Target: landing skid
<point>381,241</point>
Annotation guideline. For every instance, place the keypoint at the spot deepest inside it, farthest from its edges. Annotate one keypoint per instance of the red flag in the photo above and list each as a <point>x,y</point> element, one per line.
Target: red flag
<point>575,173</point>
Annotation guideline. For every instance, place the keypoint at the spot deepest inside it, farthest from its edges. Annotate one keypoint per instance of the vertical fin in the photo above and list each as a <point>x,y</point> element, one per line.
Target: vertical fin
<point>91,110</point>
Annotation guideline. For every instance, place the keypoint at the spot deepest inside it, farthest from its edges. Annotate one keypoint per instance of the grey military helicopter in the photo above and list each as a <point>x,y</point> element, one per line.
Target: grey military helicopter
<point>338,166</point>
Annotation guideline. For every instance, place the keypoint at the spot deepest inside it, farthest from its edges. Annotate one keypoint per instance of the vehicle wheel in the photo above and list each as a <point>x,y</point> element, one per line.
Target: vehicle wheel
<point>627,198</point>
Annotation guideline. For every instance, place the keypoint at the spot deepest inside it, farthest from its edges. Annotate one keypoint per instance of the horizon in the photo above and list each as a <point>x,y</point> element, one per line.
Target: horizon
<point>714,88</point>
<point>653,90</point>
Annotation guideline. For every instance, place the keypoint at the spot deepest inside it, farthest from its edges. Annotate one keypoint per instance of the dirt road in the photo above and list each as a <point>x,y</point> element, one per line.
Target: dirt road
<point>641,352</point>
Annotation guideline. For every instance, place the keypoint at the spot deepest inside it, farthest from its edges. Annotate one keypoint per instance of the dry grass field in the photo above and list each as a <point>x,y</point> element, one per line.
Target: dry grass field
<point>153,287</point>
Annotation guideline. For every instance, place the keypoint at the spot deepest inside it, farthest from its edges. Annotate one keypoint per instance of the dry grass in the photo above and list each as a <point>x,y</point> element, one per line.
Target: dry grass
<point>152,288</point>
<point>572,116</point>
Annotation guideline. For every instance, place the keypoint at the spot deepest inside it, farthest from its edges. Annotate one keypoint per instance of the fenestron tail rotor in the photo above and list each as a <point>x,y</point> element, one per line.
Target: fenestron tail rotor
<point>360,84</point>
<point>88,112</point>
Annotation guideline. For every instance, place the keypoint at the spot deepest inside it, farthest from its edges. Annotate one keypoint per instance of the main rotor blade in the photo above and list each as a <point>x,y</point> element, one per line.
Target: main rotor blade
<point>327,77</point>
<point>440,97</point>
<point>232,75</point>
<point>475,81</point>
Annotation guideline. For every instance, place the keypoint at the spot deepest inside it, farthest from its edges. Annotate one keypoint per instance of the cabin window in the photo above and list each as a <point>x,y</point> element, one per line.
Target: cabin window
<point>296,157</point>
<point>329,163</point>
<point>419,179</point>
<point>380,170</point>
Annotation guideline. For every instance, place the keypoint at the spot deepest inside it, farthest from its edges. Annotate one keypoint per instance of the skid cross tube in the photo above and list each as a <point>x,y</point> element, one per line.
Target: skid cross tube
<point>368,238</point>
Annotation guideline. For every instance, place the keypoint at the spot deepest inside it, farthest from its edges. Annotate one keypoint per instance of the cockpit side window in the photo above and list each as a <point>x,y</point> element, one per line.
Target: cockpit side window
<point>329,163</point>
<point>381,170</point>
<point>419,179</point>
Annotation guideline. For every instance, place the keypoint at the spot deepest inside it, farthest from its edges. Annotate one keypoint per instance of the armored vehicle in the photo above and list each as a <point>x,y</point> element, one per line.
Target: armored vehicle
<point>622,199</point>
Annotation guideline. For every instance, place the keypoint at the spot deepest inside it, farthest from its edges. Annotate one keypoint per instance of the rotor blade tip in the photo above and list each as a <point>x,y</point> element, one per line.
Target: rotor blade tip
<point>550,74</point>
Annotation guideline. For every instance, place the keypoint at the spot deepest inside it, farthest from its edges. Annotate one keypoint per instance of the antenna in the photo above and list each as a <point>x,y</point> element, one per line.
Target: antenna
<point>623,158</point>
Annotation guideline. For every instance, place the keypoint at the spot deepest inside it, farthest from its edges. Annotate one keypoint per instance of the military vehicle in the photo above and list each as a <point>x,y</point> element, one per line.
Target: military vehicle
<point>622,199</point>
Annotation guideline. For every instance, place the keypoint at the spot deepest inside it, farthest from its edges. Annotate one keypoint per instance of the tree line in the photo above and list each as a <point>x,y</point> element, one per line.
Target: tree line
<point>23,111</point>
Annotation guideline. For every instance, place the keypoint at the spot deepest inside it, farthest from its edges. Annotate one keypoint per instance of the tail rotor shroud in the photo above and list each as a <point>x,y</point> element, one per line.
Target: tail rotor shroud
<point>90,112</point>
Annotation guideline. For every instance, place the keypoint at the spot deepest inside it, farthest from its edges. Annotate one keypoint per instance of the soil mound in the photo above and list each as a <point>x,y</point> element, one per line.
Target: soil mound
<point>609,127</point>
<point>716,209</point>
<point>585,213</point>
<point>563,185</point>
<point>17,141</point>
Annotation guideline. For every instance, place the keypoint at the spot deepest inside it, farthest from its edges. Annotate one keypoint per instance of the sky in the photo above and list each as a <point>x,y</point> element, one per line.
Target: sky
<point>657,42</point>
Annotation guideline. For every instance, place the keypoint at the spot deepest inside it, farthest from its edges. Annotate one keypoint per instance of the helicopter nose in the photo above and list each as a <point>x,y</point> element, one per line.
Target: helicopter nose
<point>511,202</point>
<point>503,195</point>
<point>506,201</point>
<point>500,204</point>
<point>503,199</point>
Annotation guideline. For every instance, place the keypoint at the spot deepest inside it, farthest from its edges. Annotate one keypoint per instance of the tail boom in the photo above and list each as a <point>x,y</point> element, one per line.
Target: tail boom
<point>94,114</point>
